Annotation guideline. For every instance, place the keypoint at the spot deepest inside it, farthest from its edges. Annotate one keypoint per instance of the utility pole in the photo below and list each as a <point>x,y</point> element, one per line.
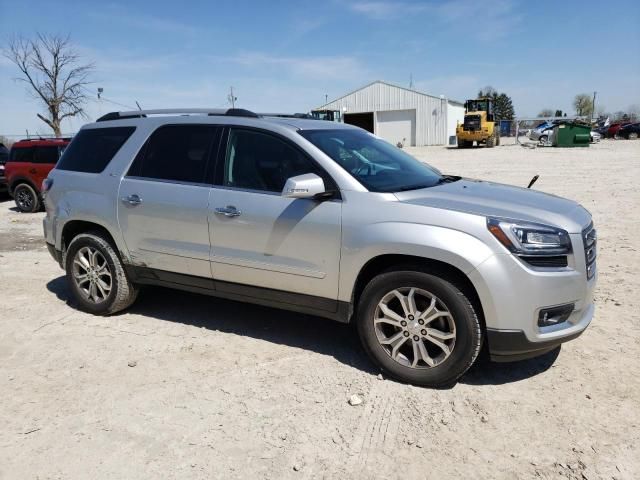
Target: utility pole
<point>593,106</point>
<point>326,98</point>
<point>232,99</point>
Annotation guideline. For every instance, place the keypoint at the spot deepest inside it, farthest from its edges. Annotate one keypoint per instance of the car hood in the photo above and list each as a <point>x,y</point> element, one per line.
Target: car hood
<point>498,200</point>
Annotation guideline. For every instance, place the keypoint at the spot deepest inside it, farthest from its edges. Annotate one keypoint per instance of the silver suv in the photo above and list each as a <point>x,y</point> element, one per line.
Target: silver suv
<point>320,218</point>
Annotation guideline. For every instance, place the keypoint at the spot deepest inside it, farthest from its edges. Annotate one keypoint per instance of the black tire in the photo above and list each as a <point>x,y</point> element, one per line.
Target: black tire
<point>498,140</point>
<point>26,198</point>
<point>122,292</point>
<point>468,335</point>
<point>491,141</point>
<point>543,138</point>
<point>632,136</point>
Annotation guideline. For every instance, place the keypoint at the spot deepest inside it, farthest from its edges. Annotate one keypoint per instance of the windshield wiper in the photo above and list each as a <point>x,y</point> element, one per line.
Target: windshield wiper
<point>414,187</point>
<point>448,179</point>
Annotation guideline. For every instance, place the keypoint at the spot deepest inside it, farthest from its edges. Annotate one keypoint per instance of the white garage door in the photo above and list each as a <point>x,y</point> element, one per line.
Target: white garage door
<point>397,126</point>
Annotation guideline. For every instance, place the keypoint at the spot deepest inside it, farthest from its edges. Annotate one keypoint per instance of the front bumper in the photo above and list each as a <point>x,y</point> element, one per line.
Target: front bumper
<point>513,294</point>
<point>513,345</point>
<point>472,135</point>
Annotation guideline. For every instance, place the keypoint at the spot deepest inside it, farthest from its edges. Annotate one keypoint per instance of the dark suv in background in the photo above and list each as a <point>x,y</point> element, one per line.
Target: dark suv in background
<point>29,163</point>
<point>4,156</point>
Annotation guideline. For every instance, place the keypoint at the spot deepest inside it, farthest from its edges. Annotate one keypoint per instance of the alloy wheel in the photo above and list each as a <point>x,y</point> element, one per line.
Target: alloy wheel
<point>92,274</point>
<point>24,199</point>
<point>415,328</point>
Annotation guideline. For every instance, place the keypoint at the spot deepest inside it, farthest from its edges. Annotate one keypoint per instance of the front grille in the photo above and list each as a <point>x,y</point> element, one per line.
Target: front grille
<point>471,123</point>
<point>590,241</point>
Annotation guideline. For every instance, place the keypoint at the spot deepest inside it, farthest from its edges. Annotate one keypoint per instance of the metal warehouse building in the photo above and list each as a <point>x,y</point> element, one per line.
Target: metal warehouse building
<point>399,114</point>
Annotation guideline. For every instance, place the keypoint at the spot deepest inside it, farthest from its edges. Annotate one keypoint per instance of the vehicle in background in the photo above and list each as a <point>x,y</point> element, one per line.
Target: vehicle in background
<point>320,218</point>
<point>4,156</point>
<point>595,136</point>
<point>630,131</point>
<point>479,124</point>
<point>329,115</point>
<point>612,131</point>
<point>29,163</point>
<point>542,132</point>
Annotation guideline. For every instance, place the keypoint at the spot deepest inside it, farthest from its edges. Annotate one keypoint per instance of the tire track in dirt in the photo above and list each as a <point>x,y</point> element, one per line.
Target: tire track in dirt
<point>377,429</point>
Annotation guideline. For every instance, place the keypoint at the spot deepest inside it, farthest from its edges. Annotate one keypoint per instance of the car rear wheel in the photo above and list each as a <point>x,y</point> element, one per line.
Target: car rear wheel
<point>96,276</point>
<point>418,328</point>
<point>633,136</point>
<point>26,198</point>
<point>543,138</point>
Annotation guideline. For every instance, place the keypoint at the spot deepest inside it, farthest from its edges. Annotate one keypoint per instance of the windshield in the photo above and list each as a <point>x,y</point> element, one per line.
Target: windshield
<point>376,164</point>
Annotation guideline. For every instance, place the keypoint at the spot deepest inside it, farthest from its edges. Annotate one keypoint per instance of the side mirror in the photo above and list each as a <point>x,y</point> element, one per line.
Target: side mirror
<point>303,186</point>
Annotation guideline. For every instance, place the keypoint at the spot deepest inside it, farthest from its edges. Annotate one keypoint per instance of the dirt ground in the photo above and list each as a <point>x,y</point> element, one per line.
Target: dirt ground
<point>185,386</point>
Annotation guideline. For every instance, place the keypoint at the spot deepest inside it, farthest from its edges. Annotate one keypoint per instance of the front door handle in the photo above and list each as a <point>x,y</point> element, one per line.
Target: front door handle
<point>33,171</point>
<point>228,211</point>
<point>132,200</point>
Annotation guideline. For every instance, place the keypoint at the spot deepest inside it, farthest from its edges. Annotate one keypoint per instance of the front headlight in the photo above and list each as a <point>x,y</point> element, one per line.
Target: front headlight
<point>524,238</point>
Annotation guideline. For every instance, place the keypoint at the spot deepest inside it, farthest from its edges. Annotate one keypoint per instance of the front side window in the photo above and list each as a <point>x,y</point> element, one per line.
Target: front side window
<point>178,153</point>
<point>48,155</point>
<point>259,161</point>
<point>91,150</point>
<point>376,164</point>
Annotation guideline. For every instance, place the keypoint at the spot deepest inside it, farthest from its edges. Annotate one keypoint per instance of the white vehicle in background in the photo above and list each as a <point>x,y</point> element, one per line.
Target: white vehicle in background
<point>542,133</point>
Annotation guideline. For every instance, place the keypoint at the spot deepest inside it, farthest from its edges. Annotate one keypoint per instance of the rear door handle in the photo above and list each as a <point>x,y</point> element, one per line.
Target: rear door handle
<point>132,200</point>
<point>228,211</point>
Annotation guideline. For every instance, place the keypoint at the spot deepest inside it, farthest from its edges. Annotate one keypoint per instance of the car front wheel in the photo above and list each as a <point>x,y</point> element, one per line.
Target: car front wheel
<point>96,276</point>
<point>419,328</point>
<point>26,198</point>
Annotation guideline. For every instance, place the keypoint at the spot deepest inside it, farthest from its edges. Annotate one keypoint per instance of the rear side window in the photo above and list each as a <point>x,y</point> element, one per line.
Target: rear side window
<point>22,154</point>
<point>177,153</point>
<point>91,150</point>
<point>47,155</point>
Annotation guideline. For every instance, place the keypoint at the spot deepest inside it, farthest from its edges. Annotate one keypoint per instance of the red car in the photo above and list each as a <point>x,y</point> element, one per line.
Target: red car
<point>30,161</point>
<point>614,127</point>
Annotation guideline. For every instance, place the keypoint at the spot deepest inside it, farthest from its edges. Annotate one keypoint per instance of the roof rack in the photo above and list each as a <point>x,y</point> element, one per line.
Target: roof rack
<point>40,138</point>
<point>287,115</point>
<point>230,112</point>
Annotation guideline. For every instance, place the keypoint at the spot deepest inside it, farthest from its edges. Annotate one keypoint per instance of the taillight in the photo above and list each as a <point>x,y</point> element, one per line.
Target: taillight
<point>46,185</point>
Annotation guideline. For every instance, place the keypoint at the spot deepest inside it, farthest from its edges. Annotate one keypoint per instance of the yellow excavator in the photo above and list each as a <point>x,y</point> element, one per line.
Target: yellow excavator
<point>479,124</point>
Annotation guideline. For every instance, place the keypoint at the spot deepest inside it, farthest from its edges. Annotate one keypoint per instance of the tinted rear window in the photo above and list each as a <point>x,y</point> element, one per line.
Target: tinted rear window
<point>91,150</point>
<point>176,152</point>
<point>22,154</point>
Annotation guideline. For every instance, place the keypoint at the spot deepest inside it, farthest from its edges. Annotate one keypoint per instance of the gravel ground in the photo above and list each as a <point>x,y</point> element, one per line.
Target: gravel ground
<point>185,386</point>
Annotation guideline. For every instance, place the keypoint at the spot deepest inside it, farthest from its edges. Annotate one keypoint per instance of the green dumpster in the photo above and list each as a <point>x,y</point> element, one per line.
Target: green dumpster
<point>570,134</point>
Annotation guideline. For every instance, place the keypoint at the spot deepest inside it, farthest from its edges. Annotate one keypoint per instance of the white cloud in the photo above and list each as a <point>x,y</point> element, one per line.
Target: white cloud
<point>381,10</point>
<point>311,67</point>
<point>125,16</point>
<point>486,21</point>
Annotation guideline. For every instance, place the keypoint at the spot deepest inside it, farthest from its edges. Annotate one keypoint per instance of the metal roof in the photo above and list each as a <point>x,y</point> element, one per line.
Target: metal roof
<point>388,84</point>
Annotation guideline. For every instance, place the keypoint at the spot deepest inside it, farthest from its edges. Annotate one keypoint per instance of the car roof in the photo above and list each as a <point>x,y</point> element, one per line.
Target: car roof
<point>221,116</point>
<point>40,142</point>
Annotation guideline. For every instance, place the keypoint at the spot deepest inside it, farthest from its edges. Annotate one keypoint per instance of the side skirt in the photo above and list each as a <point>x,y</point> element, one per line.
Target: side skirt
<point>296,302</point>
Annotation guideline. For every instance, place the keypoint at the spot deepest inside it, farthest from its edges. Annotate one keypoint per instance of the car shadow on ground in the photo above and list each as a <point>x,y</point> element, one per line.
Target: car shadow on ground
<point>292,329</point>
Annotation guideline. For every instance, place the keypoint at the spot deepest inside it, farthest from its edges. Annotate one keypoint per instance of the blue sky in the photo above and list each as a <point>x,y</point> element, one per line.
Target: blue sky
<point>285,56</point>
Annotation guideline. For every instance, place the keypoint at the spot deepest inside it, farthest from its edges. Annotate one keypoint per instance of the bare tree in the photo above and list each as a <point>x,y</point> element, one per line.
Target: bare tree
<point>583,104</point>
<point>54,74</point>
